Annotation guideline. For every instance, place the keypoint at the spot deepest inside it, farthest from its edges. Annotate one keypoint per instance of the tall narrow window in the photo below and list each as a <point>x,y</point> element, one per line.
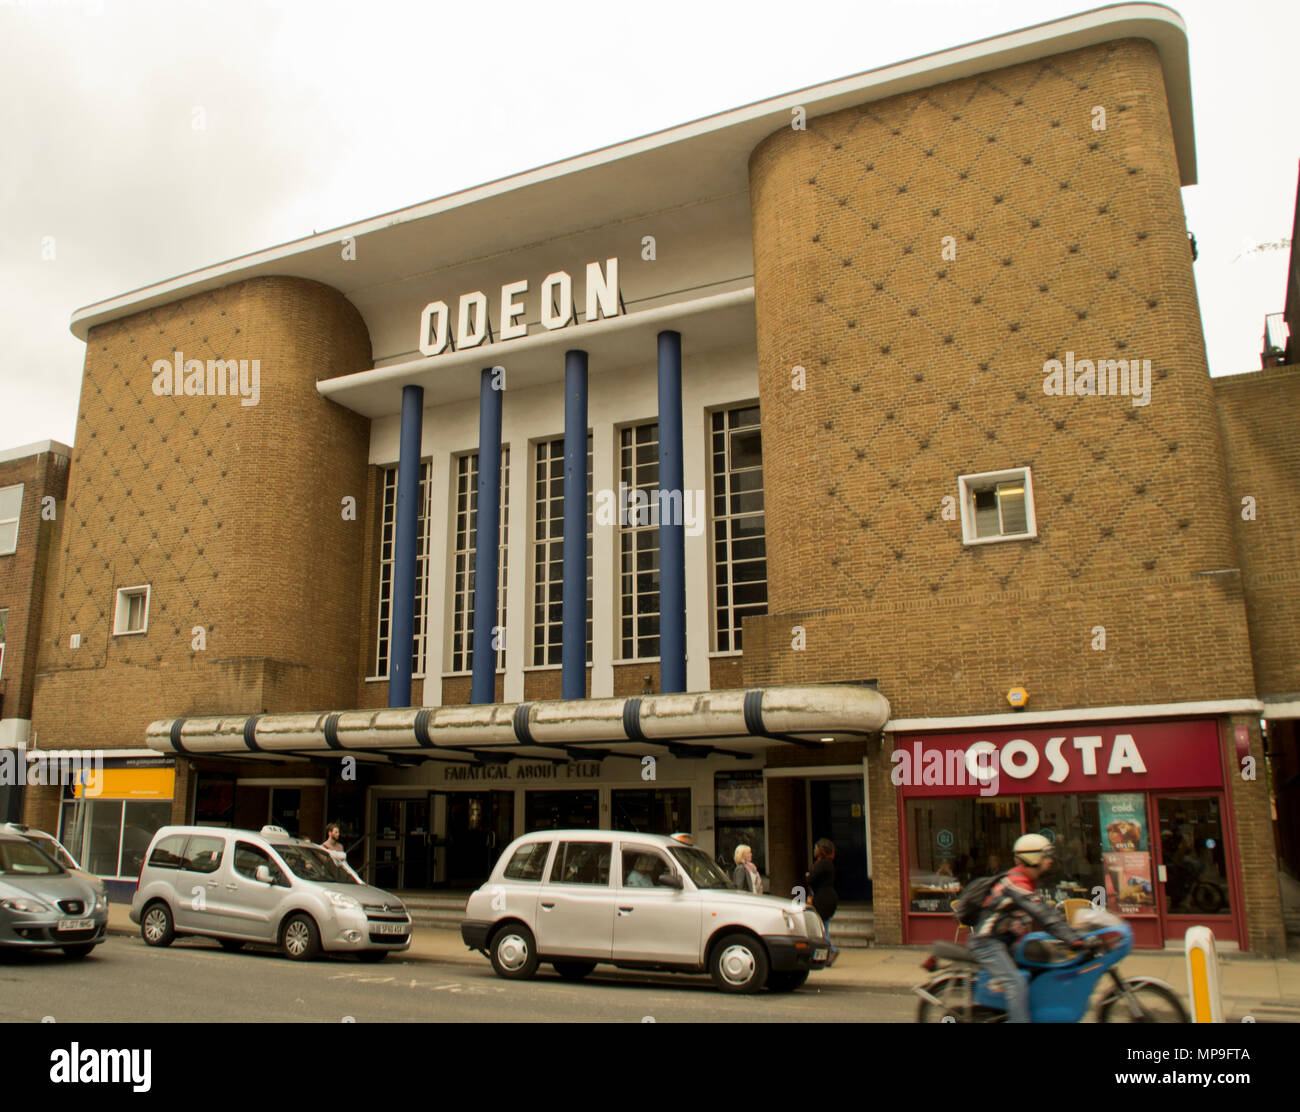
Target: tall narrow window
<point>638,540</point>
<point>387,547</point>
<point>466,517</point>
<point>548,553</point>
<point>4,623</point>
<point>11,504</point>
<point>739,536</point>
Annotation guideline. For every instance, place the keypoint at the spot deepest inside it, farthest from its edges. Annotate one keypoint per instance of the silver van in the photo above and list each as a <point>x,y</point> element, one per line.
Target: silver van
<point>238,886</point>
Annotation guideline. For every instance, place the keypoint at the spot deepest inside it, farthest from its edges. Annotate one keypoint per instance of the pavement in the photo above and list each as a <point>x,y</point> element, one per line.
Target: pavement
<point>1249,983</point>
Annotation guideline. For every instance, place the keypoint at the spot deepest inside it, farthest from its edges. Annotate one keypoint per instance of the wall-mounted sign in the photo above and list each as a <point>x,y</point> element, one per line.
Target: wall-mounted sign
<point>473,323</point>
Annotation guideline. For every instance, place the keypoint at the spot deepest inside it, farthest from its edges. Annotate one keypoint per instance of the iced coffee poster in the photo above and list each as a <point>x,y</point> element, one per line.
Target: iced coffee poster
<point>1128,882</point>
<point>1123,818</point>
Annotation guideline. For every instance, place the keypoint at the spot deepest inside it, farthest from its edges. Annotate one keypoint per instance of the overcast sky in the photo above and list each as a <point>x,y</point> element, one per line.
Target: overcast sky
<point>320,113</point>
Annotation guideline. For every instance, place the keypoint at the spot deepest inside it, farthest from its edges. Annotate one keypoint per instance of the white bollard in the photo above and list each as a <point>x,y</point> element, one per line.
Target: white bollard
<point>1203,975</point>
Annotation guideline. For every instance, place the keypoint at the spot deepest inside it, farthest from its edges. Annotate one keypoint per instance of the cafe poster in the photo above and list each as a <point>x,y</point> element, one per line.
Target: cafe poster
<point>1128,882</point>
<point>1123,818</point>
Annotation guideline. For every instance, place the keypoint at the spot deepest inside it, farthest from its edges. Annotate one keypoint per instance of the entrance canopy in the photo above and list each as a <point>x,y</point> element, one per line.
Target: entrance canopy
<point>732,723</point>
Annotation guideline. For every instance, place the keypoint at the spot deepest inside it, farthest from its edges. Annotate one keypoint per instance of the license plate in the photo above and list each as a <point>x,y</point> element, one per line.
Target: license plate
<point>820,955</point>
<point>388,928</point>
<point>76,924</point>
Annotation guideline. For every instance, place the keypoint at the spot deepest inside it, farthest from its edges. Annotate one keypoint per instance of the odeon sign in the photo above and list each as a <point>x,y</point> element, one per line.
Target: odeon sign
<point>473,322</point>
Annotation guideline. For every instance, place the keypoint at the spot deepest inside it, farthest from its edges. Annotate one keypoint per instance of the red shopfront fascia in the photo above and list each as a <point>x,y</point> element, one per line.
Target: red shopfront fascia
<point>1164,761</point>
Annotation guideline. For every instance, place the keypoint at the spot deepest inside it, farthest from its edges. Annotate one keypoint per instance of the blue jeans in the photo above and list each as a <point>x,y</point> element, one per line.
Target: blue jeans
<point>996,958</point>
<point>826,926</point>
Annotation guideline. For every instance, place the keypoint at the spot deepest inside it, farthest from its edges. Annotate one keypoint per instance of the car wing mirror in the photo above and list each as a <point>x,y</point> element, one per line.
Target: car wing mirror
<point>263,874</point>
<point>670,880</point>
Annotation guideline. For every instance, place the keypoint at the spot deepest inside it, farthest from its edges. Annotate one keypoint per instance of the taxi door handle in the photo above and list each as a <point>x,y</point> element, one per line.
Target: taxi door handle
<point>548,907</point>
<point>626,910</point>
<point>232,887</point>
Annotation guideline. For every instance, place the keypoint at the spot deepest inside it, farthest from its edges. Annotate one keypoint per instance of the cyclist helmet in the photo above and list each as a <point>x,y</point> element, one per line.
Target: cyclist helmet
<point>1031,849</point>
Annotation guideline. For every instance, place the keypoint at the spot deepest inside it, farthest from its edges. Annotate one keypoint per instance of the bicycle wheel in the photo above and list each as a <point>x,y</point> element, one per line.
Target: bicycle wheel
<point>1155,1003</point>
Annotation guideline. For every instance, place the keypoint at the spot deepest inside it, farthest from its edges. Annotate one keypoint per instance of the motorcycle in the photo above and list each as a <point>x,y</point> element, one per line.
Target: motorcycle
<point>1061,980</point>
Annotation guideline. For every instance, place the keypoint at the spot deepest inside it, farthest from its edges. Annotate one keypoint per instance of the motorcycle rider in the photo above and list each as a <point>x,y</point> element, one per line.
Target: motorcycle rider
<point>1011,910</point>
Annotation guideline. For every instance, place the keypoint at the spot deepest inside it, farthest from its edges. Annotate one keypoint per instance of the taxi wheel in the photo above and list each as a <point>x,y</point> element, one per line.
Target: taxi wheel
<point>514,952</point>
<point>739,964</point>
<point>299,939</point>
<point>787,982</point>
<point>81,951</point>
<point>156,925</point>
<point>573,970</point>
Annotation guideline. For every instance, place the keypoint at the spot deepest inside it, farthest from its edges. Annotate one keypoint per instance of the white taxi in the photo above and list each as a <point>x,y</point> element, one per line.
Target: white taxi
<point>580,898</point>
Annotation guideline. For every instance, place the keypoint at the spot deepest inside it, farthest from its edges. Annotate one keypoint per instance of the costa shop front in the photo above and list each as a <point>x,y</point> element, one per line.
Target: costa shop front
<point>1137,811</point>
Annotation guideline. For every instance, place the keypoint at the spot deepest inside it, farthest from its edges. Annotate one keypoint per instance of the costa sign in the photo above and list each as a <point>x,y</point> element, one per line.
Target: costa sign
<point>473,323</point>
<point>1163,755</point>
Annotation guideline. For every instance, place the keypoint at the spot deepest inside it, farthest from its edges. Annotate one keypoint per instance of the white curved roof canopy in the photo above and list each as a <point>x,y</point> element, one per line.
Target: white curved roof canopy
<point>735,722</point>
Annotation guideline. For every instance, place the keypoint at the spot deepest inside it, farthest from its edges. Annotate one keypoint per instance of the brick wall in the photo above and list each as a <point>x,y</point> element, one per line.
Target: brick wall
<point>919,369</point>
<point>1258,414</point>
<point>23,573</point>
<point>223,509</point>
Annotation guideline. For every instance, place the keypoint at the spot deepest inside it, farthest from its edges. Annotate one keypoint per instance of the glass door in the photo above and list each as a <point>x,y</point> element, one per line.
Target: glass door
<point>1193,865</point>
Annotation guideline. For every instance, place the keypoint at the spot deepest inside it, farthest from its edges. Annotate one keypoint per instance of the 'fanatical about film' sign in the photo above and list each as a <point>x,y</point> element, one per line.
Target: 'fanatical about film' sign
<point>558,309</point>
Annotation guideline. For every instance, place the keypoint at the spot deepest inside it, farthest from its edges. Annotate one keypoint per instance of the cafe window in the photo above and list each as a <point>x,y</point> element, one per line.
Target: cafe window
<point>951,841</point>
<point>1073,825</point>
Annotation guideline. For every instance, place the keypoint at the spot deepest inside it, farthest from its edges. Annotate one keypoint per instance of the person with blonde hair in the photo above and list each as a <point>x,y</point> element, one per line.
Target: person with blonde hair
<point>746,877</point>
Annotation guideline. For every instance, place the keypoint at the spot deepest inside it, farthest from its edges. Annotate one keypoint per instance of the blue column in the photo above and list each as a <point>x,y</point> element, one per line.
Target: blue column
<point>672,529</point>
<point>487,548</point>
<point>404,548</point>
<point>573,659</point>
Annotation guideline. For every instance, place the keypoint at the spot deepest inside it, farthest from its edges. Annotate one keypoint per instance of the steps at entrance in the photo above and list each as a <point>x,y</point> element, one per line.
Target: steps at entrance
<point>438,911</point>
<point>853,927</point>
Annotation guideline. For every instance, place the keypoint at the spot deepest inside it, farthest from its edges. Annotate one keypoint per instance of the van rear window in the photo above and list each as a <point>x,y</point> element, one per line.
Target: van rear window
<point>167,853</point>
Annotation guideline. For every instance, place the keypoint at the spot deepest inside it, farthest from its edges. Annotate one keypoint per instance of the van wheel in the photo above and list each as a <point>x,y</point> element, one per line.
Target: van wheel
<point>738,963</point>
<point>81,950</point>
<point>299,939</point>
<point>573,970</point>
<point>156,925</point>
<point>514,952</point>
<point>787,982</point>
<point>231,945</point>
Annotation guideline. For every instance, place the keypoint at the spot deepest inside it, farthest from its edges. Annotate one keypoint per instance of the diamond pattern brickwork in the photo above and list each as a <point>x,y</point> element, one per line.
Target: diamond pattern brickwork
<point>224,510</point>
<point>922,257</point>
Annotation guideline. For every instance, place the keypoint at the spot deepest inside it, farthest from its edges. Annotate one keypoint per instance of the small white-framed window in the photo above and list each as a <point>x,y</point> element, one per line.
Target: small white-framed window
<point>997,506</point>
<point>131,615</point>
<point>11,504</point>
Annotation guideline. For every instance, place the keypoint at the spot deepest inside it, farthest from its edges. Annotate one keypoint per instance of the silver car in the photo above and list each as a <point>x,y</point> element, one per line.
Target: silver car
<point>44,906</point>
<point>238,886</point>
<point>578,898</point>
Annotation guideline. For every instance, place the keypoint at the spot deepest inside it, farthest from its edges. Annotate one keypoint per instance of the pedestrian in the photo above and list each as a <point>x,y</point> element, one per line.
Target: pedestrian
<point>331,841</point>
<point>747,877</point>
<point>821,889</point>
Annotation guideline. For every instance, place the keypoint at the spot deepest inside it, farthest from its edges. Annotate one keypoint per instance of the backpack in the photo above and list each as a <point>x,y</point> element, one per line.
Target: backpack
<point>970,900</point>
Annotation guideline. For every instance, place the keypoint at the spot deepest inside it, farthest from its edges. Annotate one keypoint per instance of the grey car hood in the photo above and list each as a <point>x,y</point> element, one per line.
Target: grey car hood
<point>368,895</point>
<point>49,889</point>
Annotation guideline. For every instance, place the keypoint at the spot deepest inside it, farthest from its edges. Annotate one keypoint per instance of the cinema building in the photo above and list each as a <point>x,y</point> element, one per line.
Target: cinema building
<point>688,485</point>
